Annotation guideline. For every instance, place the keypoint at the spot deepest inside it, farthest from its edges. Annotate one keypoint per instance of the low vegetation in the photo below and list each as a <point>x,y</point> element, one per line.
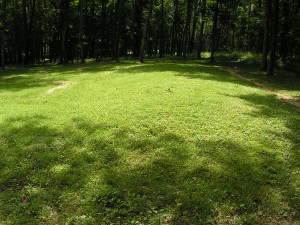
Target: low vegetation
<point>166,142</point>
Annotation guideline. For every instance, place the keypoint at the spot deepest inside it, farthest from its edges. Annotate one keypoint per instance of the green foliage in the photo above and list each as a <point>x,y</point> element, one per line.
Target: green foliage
<point>243,57</point>
<point>169,141</point>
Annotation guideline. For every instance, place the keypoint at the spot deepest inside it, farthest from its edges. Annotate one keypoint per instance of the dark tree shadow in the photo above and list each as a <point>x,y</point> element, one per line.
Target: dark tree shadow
<point>18,79</point>
<point>91,173</point>
<point>102,173</point>
<point>44,76</point>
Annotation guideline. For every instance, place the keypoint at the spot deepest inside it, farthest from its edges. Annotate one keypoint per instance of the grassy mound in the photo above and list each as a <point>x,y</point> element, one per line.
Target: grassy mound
<point>168,141</point>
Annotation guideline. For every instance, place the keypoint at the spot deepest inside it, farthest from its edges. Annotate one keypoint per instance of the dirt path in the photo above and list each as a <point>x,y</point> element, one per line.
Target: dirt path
<point>284,98</point>
<point>63,85</point>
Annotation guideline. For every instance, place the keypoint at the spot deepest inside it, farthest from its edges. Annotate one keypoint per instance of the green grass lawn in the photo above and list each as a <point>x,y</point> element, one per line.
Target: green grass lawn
<point>165,142</point>
<point>284,82</point>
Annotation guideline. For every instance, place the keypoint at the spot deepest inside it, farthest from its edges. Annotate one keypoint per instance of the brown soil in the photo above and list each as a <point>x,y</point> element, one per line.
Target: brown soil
<point>81,69</point>
<point>63,85</point>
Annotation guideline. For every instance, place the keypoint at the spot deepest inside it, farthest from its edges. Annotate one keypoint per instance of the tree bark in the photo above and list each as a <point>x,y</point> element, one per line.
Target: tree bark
<point>200,46</point>
<point>274,36</point>
<point>115,45</point>
<point>162,31</point>
<point>187,27</point>
<point>248,27</point>
<point>264,59</point>
<point>284,40</point>
<point>195,22</point>
<point>138,11</point>
<point>174,28</point>
<point>28,26</point>
<point>3,35</point>
<point>64,7</point>
<point>2,50</point>
<point>214,31</point>
<point>259,44</point>
<point>26,58</point>
<point>141,54</point>
<point>81,31</point>
<point>103,30</point>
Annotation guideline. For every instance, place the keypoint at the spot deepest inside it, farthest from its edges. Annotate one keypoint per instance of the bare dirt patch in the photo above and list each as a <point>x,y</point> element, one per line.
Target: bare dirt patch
<point>14,76</point>
<point>63,85</point>
<point>287,99</point>
<point>81,69</point>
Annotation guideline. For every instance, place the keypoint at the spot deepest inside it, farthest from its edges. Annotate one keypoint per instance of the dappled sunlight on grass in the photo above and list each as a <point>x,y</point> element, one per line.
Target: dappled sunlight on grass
<point>171,142</point>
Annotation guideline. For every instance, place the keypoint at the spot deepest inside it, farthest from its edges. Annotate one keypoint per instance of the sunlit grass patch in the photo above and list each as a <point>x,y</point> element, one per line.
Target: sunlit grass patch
<point>169,141</point>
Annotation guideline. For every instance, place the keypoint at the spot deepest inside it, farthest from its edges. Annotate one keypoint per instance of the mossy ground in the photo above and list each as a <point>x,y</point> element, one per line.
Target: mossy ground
<point>165,142</point>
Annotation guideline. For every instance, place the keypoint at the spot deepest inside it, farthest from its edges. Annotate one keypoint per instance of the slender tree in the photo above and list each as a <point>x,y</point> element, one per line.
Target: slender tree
<point>274,36</point>
<point>194,25</point>
<point>41,30</point>
<point>174,28</point>
<point>284,37</point>
<point>64,11</point>
<point>259,45</point>
<point>249,27</point>
<point>137,27</point>
<point>162,31</point>
<point>103,30</point>
<point>81,31</point>
<point>214,31</point>
<point>141,54</point>
<point>3,34</point>
<point>116,37</point>
<point>200,45</point>
<point>264,59</point>
<point>187,27</point>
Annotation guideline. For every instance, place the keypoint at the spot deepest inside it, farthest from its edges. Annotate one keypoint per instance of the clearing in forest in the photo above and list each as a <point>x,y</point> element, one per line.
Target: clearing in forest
<point>168,141</point>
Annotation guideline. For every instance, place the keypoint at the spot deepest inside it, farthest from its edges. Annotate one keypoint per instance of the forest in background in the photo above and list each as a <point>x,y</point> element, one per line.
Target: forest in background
<point>36,31</point>
<point>178,139</point>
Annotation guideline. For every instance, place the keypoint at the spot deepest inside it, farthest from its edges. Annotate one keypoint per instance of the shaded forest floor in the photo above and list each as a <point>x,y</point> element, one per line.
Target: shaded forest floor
<point>165,142</point>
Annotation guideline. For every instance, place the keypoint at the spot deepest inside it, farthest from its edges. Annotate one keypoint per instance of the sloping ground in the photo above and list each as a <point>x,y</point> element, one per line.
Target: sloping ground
<point>283,97</point>
<point>168,142</point>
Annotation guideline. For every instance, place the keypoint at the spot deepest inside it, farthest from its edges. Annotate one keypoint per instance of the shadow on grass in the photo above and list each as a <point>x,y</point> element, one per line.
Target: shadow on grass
<point>25,78</point>
<point>18,79</point>
<point>282,80</point>
<point>91,173</point>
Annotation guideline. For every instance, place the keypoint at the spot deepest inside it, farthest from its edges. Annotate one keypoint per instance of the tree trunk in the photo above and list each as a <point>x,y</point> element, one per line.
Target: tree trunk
<point>26,58</point>
<point>3,35</point>
<point>200,46</point>
<point>284,35</point>
<point>264,59</point>
<point>2,50</point>
<point>138,11</point>
<point>259,44</point>
<point>64,7</point>
<point>81,31</point>
<point>274,36</point>
<point>103,30</point>
<point>28,26</point>
<point>30,30</point>
<point>187,27</point>
<point>141,55</point>
<point>176,42</point>
<point>214,31</point>
<point>174,28</point>
<point>248,27</point>
<point>232,38</point>
<point>195,22</point>
<point>162,31</point>
<point>63,46</point>
<point>115,45</point>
